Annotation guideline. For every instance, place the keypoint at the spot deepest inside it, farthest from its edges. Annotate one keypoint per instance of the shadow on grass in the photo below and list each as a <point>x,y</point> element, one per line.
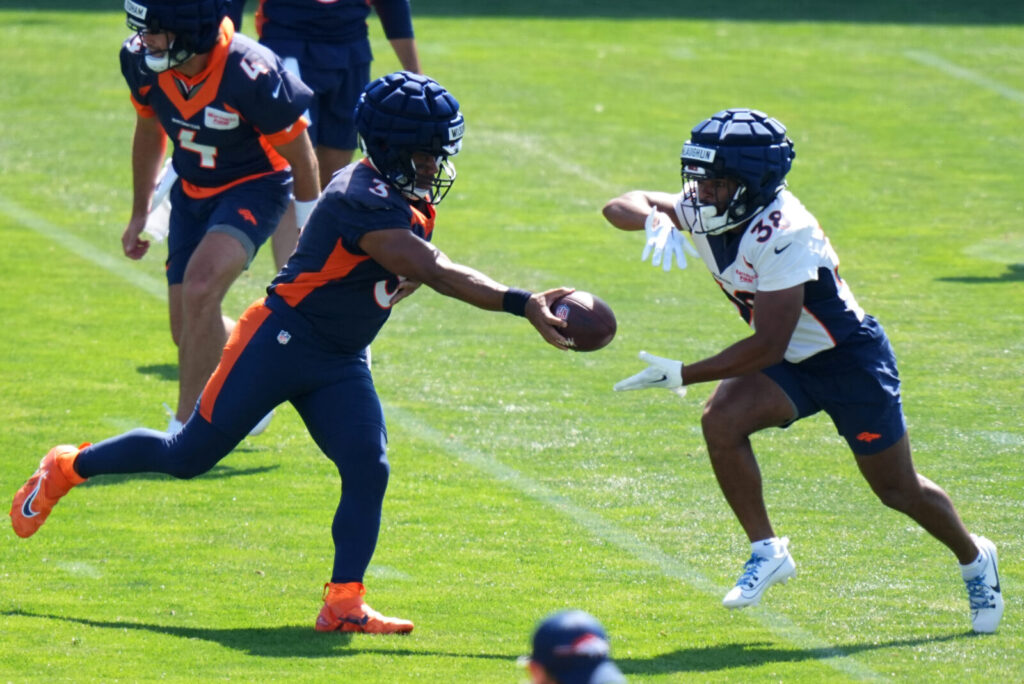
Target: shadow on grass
<point>1014,274</point>
<point>302,642</point>
<point>289,641</point>
<point>165,371</point>
<point>729,656</point>
<point>217,473</point>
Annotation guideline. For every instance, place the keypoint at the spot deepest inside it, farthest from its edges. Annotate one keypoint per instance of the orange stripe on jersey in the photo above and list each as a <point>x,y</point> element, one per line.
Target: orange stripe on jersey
<point>338,265</point>
<point>425,220</point>
<point>211,73</point>
<point>267,142</point>
<point>273,156</point>
<point>288,134</point>
<point>145,111</point>
<point>245,328</point>
<point>199,192</point>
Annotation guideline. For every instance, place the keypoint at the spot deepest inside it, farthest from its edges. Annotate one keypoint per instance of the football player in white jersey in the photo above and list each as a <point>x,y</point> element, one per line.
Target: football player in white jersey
<point>812,348</point>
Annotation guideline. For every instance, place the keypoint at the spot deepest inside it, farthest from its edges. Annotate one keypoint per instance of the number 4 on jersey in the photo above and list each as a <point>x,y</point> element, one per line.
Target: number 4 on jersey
<point>207,153</point>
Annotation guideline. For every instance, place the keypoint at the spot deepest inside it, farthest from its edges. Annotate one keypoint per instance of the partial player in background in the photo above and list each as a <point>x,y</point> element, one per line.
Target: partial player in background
<point>571,647</point>
<point>235,10</point>
<point>235,117</point>
<point>366,246</point>
<point>327,45</point>
<point>813,347</point>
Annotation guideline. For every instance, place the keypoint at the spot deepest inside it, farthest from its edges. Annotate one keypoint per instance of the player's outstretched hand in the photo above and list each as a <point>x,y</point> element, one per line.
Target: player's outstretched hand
<point>660,372</point>
<point>538,312</point>
<point>664,242</point>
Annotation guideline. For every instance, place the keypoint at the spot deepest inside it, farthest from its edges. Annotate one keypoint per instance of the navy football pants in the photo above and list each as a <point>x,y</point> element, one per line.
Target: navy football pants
<point>266,362</point>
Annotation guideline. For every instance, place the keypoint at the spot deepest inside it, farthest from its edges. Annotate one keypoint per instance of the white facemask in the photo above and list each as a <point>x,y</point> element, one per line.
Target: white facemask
<point>704,219</point>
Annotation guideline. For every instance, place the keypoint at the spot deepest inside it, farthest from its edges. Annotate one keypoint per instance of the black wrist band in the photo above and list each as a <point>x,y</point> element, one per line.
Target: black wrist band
<point>514,301</point>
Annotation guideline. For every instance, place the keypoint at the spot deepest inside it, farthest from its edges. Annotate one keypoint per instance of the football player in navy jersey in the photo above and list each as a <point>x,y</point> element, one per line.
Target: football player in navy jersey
<point>813,348</point>
<point>235,118</point>
<point>366,246</point>
<point>326,44</point>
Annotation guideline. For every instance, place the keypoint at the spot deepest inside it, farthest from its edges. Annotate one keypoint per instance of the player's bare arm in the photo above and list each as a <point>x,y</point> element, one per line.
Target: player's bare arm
<point>775,317</point>
<point>407,255</point>
<point>630,211</point>
<point>408,56</point>
<point>305,171</point>
<point>148,147</point>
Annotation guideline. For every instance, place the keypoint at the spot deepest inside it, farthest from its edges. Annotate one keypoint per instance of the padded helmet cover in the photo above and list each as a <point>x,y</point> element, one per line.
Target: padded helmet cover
<point>402,113</point>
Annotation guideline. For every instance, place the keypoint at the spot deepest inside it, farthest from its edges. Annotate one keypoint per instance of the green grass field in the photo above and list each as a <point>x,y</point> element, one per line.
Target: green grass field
<point>520,483</point>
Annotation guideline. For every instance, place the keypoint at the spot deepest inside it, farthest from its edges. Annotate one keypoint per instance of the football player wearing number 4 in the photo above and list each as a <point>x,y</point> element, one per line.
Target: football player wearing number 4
<point>813,348</point>
<point>235,117</point>
<point>366,246</point>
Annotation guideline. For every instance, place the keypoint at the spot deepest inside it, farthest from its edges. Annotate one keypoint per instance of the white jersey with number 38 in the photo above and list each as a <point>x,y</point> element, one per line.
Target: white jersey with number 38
<point>783,246</point>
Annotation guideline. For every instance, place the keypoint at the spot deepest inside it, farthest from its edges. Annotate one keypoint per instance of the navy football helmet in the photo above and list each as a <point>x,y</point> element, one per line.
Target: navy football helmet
<point>745,145</point>
<point>403,113</point>
<point>194,23</point>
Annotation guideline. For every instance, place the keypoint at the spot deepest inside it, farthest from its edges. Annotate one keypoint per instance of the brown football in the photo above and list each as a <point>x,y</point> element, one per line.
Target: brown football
<point>591,322</point>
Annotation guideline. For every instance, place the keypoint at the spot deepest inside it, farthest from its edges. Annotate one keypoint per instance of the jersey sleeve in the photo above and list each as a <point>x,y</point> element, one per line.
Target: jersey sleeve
<point>276,102</point>
<point>136,76</point>
<point>354,218</point>
<point>395,18</point>
<point>789,258</point>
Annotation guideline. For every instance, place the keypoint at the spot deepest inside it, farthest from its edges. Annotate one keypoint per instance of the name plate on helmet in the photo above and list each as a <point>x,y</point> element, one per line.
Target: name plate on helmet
<point>135,9</point>
<point>698,153</point>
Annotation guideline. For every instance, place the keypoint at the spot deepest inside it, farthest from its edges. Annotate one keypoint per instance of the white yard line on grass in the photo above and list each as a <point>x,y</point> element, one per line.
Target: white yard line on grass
<point>593,523</point>
<point>112,260</point>
<point>928,59</point>
<point>628,542</point>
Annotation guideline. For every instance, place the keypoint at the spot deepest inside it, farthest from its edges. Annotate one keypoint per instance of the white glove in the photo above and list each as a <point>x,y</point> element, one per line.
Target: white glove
<point>661,372</point>
<point>662,235</point>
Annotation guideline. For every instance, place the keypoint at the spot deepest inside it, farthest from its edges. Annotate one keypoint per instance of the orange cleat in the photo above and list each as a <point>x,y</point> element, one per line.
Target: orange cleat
<point>37,497</point>
<point>345,611</point>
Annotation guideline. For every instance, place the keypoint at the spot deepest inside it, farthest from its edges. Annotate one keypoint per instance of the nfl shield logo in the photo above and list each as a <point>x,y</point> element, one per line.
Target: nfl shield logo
<point>283,337</point>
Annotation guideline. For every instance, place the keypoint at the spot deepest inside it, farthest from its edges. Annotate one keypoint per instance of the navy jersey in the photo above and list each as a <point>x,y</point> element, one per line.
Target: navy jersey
<point>334,285</point>
<point>330,21</point>
<point>225,120</point>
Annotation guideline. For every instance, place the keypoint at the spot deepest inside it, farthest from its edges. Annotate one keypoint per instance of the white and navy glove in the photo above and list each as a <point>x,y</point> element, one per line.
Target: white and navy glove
<point>660,372</point>
<point>158,221</point>
<point>302,212</point>
<point>665,241</point>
